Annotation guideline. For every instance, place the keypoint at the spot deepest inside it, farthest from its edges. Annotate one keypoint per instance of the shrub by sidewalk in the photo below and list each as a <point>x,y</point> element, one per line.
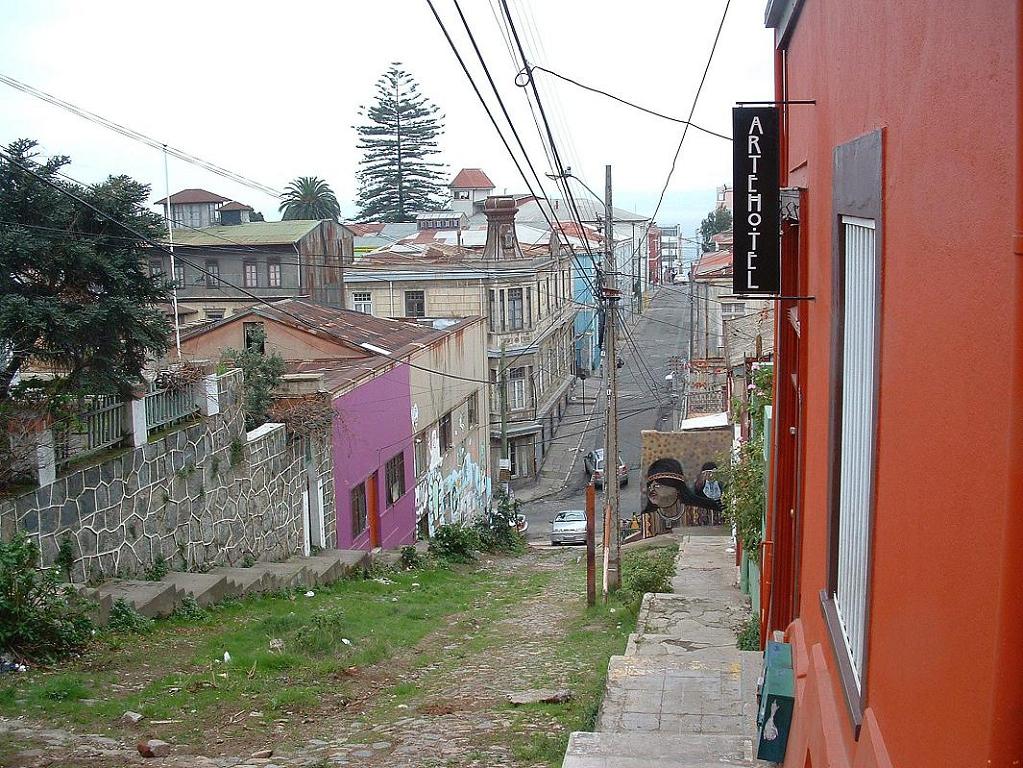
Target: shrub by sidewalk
<point>41,620</point>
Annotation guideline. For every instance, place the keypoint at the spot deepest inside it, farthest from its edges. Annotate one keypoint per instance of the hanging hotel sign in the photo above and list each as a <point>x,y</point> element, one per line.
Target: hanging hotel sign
<point>756,259</point>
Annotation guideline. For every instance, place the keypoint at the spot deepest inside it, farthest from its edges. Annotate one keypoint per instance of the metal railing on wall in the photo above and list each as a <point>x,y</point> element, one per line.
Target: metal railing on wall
<point>166,407</point>
<point>89,432</point>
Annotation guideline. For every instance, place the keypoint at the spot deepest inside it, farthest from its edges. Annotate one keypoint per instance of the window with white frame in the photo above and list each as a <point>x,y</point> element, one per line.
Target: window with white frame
<point>514,309</point>
<point>860,300</point>
<point>362,301</point>
<point>250,274</point>
<point>517,388</point>
<point>422,455</point>
<point>212,273</point>
<point>273,274</point>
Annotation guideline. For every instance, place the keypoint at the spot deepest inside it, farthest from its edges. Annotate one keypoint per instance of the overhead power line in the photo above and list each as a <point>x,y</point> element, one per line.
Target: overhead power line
<point>692,111</point>
<point>134,135</point>
<point>537,67</point>
<point>500,133</point>
<point>258,299</point>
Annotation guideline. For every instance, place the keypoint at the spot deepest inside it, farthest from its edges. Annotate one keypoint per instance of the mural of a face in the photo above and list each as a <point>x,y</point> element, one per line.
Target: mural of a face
<point>661,495</point>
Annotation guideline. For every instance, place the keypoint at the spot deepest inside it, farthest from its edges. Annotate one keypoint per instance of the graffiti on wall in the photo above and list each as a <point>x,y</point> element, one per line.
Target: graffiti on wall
<point>461,495</point>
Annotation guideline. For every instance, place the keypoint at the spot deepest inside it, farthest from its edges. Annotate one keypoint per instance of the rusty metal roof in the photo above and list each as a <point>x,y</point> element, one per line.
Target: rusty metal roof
<point>254,233</point>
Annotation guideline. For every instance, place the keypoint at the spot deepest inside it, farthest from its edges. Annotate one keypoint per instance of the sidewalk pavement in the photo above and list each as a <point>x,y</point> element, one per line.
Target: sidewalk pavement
<point>567,446</point>
<point>682,695</point>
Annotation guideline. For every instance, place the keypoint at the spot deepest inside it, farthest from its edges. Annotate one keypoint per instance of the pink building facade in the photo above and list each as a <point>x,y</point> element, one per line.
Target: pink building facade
<point>373,463</point>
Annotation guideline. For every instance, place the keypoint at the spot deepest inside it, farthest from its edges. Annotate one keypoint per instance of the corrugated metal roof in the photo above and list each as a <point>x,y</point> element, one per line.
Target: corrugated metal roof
<point>234,205</point>
<point>255,233</point>
<point>353,329</point>
<point>714,264</point>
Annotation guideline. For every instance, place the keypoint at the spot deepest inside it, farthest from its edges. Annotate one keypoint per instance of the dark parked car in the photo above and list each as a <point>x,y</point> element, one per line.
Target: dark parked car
<point>593,463</point>
<point>569,527</point>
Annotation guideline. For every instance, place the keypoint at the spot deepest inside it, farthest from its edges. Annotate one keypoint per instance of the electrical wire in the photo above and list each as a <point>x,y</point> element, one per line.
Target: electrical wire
<point>140,137</point>
<point>692,111</point>
<point>258,299</point>
<point>560,167</point>
<point>537,67</point>
<point>493,120</point>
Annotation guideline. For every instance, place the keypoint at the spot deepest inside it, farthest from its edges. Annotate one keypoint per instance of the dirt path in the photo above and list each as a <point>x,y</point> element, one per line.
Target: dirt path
<point>443,703</point>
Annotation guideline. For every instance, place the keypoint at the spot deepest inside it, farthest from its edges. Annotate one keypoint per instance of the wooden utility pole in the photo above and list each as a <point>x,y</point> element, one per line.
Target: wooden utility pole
<point>504,467</point>
<point>591,548</point>
<point>611,299</point>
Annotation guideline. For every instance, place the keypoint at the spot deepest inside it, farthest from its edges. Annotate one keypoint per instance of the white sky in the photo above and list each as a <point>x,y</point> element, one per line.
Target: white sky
<point>271,90</point>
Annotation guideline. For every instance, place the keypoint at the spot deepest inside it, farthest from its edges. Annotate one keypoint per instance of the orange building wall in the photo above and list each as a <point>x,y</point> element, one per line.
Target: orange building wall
<point>290,343</point>
<point>939,79</point>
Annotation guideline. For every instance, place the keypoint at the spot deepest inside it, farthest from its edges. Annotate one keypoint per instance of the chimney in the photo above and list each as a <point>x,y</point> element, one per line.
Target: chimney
<point>502,244</point>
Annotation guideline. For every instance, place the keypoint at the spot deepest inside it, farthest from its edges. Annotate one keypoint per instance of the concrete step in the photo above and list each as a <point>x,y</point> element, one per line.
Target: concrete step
<point>355,559</point>
<point>206,588</point>
<point>150,598</point>
<point>709,691</point>
<point>246,581</point>
<point>386,558</point>
<point>288,575</point>
<point>103,603</point>
<point>645,750</point>
<point>326,567</point>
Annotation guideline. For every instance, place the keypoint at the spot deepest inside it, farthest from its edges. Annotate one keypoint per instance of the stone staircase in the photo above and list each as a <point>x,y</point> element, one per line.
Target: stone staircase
<point>161,598</point>
<point>682,695</point>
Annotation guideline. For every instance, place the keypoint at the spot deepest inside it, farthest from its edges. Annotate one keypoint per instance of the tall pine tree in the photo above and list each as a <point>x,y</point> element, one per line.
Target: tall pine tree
<point>396,177</point>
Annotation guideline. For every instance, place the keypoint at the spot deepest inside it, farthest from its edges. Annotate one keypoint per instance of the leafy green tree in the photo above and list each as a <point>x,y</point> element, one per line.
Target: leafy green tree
<point>75,293</point>
<point>262,375</point>
<point>396,177</point>
<point>309,197</point>
<point>717,221</point>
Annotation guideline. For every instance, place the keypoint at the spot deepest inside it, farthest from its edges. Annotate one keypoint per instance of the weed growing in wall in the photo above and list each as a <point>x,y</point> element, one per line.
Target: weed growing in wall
<point>237,452</point>
<point>65,559</point>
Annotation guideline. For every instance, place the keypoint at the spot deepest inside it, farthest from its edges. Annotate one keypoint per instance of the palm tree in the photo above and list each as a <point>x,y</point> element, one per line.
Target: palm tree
<point>309,197</point>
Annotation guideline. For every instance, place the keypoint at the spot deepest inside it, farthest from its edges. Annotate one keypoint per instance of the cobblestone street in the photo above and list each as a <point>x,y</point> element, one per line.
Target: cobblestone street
<point>442,703</point>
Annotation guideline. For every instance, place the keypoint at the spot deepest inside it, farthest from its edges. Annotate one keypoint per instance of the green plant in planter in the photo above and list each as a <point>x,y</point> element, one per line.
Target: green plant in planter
<point>748,635</point>
<point>744,489</point>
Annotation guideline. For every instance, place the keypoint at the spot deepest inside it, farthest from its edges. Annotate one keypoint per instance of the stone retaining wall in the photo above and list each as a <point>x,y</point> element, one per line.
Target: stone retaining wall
<point>199,496</point>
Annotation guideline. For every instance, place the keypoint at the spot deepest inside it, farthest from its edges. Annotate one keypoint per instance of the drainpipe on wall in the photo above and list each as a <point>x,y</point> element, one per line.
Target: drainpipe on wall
<point>390,296</point>
<point>771,516</point>
<point>1006,733</point>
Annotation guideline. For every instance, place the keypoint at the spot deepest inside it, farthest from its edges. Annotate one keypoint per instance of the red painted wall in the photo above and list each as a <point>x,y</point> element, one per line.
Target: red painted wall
<point>939,78</point>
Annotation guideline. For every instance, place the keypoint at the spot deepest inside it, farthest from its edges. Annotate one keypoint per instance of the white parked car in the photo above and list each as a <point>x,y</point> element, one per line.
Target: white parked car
<point>569,527</point>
